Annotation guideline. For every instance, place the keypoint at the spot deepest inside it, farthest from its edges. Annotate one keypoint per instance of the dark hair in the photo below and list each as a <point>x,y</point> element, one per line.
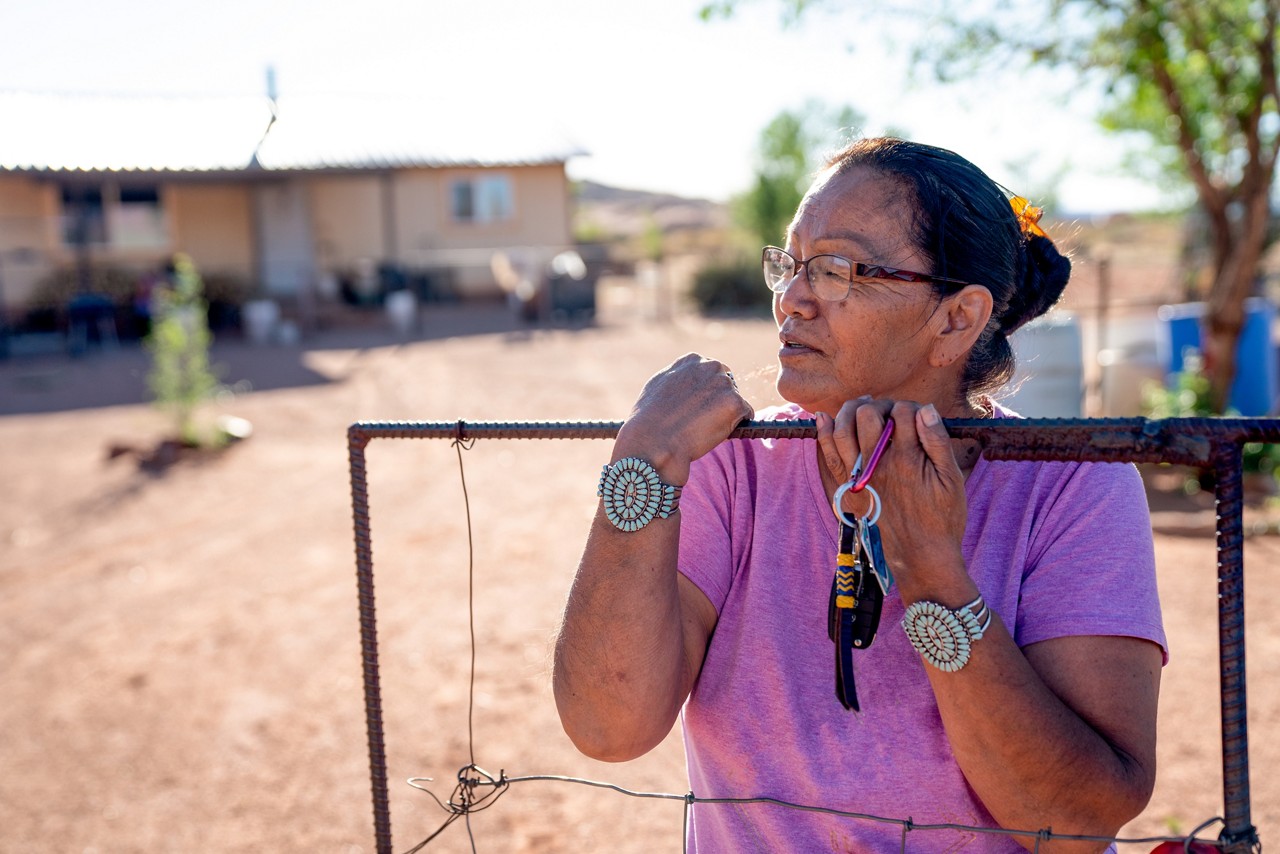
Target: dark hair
<point>965,225</point>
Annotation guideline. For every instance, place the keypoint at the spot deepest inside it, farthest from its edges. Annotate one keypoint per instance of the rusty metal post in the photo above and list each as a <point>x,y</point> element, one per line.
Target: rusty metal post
<point>357,441</point>
<point>1239,835</point>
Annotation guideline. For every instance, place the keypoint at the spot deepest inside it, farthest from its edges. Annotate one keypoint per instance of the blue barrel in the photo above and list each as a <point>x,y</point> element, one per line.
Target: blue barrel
<point>1257,383</point>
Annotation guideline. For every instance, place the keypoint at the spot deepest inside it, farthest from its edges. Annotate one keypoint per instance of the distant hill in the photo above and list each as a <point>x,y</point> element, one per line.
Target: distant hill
<point>614,212</point>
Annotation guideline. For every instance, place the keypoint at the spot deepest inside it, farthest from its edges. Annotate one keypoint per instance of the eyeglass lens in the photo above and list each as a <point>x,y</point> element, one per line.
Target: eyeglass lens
<point>830,276</point>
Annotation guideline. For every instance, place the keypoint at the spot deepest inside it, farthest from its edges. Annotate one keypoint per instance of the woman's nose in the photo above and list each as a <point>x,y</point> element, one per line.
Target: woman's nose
<point>796,298</point>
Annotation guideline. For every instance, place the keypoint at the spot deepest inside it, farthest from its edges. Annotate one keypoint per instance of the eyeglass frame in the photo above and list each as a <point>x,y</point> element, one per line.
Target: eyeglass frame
<point>856,268</point>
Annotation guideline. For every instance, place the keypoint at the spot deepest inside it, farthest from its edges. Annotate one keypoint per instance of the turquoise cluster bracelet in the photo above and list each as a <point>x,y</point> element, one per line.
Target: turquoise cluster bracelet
<point>634,495</point>
<point>944,637</point>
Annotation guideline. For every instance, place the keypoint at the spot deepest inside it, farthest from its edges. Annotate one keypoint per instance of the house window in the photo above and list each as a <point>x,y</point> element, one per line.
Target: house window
<point>485,198</point>
<point>129,217</point>
<point>83,220</point>
<point>138,221</point>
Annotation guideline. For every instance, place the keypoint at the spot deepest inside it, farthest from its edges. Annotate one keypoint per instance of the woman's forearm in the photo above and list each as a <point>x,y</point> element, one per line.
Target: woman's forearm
<point>621,671</point>
<point>1079,764</point>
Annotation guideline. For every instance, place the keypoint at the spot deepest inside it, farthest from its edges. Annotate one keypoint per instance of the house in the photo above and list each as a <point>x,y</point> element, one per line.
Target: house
<point>294,198</point>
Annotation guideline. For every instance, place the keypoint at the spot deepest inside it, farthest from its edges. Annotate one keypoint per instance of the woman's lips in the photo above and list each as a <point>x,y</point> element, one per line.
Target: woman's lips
<point>792,347</point>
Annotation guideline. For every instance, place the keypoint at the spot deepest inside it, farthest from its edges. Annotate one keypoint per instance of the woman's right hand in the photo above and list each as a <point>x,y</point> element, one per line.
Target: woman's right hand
<point>684,411</point>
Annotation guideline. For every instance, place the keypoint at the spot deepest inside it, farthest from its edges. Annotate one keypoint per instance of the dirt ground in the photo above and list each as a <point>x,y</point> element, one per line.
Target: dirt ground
<point>180,650</point>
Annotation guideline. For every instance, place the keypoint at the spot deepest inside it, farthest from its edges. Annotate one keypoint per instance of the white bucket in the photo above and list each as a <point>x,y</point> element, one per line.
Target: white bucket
<point>260,319</point>
<point>402,311</point>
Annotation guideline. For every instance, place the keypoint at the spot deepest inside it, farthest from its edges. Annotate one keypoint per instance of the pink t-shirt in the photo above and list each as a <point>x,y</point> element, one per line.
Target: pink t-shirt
<point>1057,549</point>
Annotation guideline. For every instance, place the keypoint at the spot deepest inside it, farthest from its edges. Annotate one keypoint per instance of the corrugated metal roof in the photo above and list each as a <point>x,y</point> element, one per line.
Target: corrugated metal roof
<point>95,133</point>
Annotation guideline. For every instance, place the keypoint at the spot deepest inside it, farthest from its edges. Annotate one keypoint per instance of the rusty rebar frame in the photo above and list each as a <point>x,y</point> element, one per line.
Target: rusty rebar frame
<point>1206,443</point>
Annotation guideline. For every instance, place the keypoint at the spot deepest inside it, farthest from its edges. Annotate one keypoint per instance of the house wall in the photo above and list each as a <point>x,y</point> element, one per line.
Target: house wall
<point>213,223</point>
<point>426,234</point>
<point>418,206</point>
<point>347,218</point>
<point>285,237</point>
<point>28,221</point>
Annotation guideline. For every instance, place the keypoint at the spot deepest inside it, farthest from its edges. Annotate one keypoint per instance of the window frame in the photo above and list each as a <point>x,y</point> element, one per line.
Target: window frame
<point>121,216</point>
<point>483,198</point>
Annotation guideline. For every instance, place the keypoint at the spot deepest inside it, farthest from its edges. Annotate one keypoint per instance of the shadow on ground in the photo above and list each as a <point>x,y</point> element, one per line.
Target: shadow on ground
<point>56,382</point>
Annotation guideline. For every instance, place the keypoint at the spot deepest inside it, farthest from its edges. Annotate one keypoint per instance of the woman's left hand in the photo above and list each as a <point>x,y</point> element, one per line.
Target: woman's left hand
<point>920,484</point>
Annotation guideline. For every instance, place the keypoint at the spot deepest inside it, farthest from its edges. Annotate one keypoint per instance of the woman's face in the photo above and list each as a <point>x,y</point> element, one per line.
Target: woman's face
<point>878,339</point>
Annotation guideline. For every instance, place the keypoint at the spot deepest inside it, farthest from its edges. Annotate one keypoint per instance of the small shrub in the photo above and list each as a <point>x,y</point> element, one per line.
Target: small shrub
<point>731,286</point>
<point>1188,397</point>
<point>180,377</point>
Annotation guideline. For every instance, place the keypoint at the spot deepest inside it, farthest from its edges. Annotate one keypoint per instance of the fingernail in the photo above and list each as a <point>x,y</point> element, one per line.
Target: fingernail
<point>930,415</point>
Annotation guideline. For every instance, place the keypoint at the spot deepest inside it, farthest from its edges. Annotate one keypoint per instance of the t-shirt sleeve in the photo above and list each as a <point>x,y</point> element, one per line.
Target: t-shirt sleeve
<point>1091,560</point>
<point>706,520</point>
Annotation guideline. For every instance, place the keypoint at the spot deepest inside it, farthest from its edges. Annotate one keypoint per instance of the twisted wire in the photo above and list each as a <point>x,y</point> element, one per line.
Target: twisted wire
<point>461,443</point>
<point>464,800</point>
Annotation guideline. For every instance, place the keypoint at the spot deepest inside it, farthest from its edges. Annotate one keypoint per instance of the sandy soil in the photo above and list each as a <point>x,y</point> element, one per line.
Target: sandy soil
<point>180,651</point>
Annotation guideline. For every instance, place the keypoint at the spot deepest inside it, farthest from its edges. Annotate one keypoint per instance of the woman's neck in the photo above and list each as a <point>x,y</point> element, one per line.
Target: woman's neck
<point>966,408</point>
<point>967,451</point>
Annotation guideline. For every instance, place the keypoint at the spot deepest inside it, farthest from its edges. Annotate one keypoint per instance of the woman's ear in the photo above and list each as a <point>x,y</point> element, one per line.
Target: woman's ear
<point>964,315</point>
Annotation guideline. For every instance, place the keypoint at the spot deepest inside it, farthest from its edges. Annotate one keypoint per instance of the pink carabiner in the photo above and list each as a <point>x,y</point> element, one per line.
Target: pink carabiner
<point>865,476</point>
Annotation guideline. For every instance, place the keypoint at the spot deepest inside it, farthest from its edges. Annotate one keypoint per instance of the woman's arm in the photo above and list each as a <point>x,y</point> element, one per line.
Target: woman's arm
<point>1059,735</point>
<point>635,631</point>
<point>632,642</point>
<point>1067,742</point>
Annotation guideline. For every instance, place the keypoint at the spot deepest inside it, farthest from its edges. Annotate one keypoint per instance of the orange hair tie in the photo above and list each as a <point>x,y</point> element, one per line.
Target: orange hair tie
<point>1028,216</point>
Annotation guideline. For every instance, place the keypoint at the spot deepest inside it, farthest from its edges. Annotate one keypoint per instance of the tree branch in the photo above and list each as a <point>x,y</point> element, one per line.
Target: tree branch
<point>1210,194</point>
<point>1270,82</point>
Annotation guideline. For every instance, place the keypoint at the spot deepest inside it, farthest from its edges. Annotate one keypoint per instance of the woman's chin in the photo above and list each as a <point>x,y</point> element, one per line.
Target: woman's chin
<point>797,393</point>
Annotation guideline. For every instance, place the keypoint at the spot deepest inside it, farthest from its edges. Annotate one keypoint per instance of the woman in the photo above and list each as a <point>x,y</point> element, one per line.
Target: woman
<point>716,612</point>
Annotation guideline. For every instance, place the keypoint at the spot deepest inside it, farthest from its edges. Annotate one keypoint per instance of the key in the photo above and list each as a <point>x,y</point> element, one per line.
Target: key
<point>868,601</point>
<point>869,534</point>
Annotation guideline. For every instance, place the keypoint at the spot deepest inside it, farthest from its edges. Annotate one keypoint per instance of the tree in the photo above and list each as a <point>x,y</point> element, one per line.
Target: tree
<point>786,159</point>
<point>1198,77</point>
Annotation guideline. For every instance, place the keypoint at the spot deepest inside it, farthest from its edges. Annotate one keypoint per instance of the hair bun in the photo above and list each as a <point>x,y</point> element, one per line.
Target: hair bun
<point>1046,272</point>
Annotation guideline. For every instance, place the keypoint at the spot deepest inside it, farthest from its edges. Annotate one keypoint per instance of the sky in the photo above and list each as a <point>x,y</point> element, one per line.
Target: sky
<point>660,99</point>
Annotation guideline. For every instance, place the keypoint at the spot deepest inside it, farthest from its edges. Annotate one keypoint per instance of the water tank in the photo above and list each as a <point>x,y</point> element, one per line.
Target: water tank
<point>1049,382</point>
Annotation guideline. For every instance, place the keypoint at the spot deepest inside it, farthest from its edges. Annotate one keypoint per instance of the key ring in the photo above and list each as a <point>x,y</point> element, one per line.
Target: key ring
<point>844,518</point>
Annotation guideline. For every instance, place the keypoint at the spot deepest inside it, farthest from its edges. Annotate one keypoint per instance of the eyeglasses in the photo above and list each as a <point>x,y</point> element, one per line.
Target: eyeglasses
<point>832,277</point>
